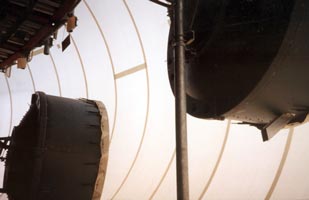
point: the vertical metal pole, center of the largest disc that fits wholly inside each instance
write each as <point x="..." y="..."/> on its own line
<point x="181" y="107"/>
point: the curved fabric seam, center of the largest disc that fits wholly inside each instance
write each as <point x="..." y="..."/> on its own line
<point x="11" y="104"/>
<point x="31" y="76"/>
<point x="57" y="75"/>
<point x="281" y="165"/>
<point x="148" y="99"/>
<point x="82" y="66"/>
<point x="112" y="64"/>
<point x="164" y="175"/>
<point x="214" y="171"/>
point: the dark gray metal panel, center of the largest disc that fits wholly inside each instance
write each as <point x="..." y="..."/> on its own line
<point x="284" y="88"/>
<point x="249" y="60"/>
<point x="55" y="153"/>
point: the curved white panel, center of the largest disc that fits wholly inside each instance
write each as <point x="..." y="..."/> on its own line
<point x="127" y="138"/>
<point x="21" y="90"/>
<point x="44" y="75"/>
<point x="119" y="32"/>
<point x="5" y="107"/>
<point x="158" y="143"/>
<point x="248" y="165"/>
<point x="294" y="179"/>
<point x="205" y="140"/>
<point x="168" y="187"/>
<point x="97" y="63"/>
<point x="69" y="69"/>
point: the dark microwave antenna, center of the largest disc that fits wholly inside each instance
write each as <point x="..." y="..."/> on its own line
<point x="58" y="151"/>
<point x="243" y="60"/>
<point x="246" y="61"/>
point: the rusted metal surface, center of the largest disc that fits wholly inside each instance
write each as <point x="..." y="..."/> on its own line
<point x="25" y="25"/>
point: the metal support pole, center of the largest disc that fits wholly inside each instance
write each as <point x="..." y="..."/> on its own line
<point x="181" y="107"/>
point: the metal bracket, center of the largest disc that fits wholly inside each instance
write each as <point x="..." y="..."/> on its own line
<point x="189" y="37"/>
<point x="276" y="125"/>
<point x="4" y="146"/>
<point x="161" y="3"/>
